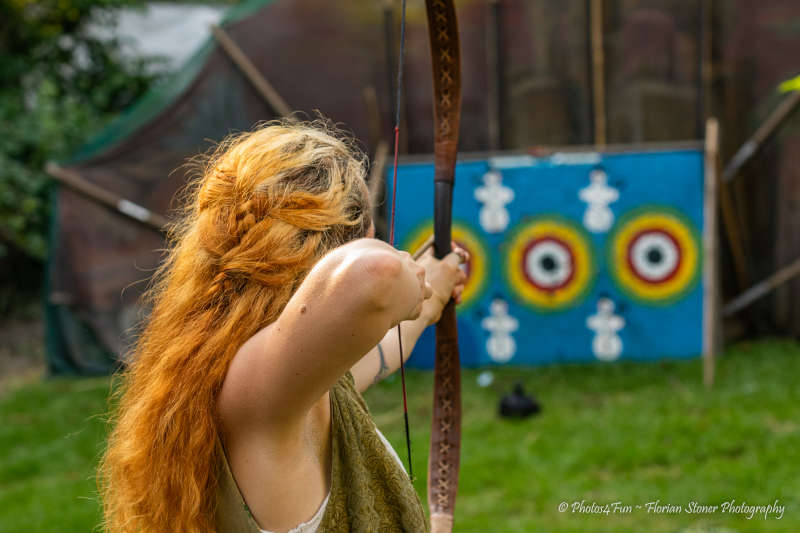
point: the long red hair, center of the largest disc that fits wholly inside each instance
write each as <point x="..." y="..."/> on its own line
<point x="265" y="207"/>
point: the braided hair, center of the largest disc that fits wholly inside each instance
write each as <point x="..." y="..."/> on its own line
<point x="264" y="208"/>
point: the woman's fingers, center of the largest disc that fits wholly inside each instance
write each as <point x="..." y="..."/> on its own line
<point x="463" y="253"/>
<point x="457" y="292"/>
<point x="453" y="260"/>
<point x="427" y="291"/>
<point x="444" y="279"/>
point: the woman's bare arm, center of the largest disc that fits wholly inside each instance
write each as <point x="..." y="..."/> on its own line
<point x="446" y="280"/>
<point x="341" y="310"/>
<point x="384" y="358"/>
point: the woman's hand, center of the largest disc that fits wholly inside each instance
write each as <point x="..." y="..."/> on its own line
<point x="446" y="279"/>
<point x="415" y="269"/>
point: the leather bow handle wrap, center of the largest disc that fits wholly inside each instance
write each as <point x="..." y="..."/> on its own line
<point x="446" y="427"/>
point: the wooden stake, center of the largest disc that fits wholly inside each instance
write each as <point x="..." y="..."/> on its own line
<point x="373" y="114"/>
<point x="762" y="288"/>
<point x="598" y="72"/>
<point x="764" y="132"/>
<point x="243" y="63"/>
<point x="94" y="192"/>
<point x="711" y="322"/>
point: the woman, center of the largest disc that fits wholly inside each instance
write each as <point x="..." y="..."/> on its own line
<point x="275" y="307"/>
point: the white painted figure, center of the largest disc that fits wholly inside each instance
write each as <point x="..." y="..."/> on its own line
<point x="598" y="217"/>
<point x="494" y="196"/>
<point x="501" y="345"/>
<point x="607" y="344"/>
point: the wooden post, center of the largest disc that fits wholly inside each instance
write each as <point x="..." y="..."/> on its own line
<point x="391" y="64"/>
<point x="375" y="184"/>
<point x="94" y="192"/>
<point x="730" y="220"/>
<point x="711" y="322"/>
<point x="598" y="72"/>
<point x="388" y="36"/>
<point x="376" y="172"/>
<point x="706" y="70"/>
<point x="493" y="74"/>
<point x="733" y="232"/>
<point x="252" y="74"/>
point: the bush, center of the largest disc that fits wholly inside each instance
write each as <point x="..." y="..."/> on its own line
<point x="58" y="83"/>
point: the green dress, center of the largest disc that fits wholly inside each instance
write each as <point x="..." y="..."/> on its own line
<point x="369" y="489"/>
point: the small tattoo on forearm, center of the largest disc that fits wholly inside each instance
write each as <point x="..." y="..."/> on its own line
<point x="382" y="371"/>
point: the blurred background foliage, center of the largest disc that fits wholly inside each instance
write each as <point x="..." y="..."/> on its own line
<point x="58" y="83"/>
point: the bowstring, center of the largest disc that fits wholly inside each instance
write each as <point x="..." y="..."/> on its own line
<point x="398" y="100"/>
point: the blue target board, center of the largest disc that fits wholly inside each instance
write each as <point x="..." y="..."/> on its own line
<point x="575" y="257"/>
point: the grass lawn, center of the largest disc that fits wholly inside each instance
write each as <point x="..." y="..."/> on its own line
<point x="629" y="433"/>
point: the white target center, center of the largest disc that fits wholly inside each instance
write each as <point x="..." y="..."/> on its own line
<point x="654" y="256"/>
<point x="548" y="264"/>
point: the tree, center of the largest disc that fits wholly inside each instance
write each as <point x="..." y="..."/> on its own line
<point x="57" y="84"/>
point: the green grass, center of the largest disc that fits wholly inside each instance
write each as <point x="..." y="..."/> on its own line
<point x="51" y="435"/>
<point x="631" y="433"/>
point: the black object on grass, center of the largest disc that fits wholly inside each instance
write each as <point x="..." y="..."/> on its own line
<point x="517" y="404"/>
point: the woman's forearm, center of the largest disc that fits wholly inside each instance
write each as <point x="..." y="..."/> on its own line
<point x="384" y="359"/>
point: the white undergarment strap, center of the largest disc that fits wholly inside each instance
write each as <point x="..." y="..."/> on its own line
<point x="312" y="525"/>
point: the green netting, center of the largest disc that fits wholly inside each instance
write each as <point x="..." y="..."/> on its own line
<point x="162" y="94"/>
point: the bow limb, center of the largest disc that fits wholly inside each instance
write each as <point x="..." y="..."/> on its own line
<point x="443" y="460"/>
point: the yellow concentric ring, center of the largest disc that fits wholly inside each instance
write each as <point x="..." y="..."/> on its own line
<point x="568" y="237"/>
<point x="652" y="221"/>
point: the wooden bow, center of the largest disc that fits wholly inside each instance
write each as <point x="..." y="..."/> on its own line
<point x="446" y="427"/>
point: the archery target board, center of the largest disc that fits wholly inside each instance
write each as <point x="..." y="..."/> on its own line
<point x="574" y="257"/>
